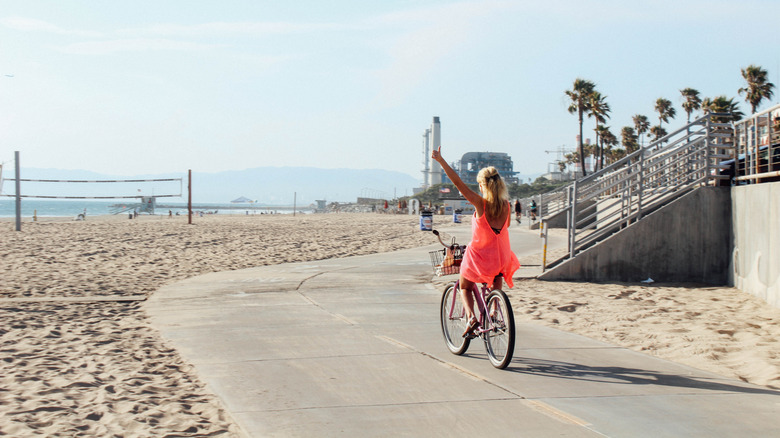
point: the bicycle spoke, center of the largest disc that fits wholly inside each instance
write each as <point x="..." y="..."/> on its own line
<point x="500" y="335"/>
<point x="453" y="321"/>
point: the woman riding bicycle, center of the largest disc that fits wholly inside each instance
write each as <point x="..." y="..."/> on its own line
<point x="488" y="257"/>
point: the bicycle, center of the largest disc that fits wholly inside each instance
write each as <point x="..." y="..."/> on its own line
<point x="494" y="312"/>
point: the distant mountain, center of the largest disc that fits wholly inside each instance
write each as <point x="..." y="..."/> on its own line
<point x="266" y="185"/>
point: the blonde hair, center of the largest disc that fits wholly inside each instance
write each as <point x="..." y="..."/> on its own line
<point x="496" y="193"/>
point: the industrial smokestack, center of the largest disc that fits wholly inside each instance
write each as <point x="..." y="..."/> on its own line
<point x="427" y="158"/>
<point x="435" y="172"/>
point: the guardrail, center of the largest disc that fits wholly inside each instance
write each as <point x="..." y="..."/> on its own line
<point x="757" y="141"/>
<point x="606" y="201"/>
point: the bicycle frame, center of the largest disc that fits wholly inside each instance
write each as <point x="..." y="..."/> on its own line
<point x="492" y="309"/>
<point x="481" y="305"/>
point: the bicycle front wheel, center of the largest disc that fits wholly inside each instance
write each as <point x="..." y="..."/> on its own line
<point x="500" y="325"/>
<point x="453" y="320"/>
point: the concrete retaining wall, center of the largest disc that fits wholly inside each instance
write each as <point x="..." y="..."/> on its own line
<point x="689" y="240"/>
<point x="756" y="254"/>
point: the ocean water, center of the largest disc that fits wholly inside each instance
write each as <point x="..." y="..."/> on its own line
<point x="72" y="208"/>
<point x="54" y="208"/>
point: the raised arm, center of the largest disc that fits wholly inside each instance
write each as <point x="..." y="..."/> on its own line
<point x="473" y="197"/>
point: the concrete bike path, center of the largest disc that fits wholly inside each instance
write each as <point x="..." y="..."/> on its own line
<point x="353" y="346"/>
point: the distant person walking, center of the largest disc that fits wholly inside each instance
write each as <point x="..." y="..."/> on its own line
<point x="518" y="211"/>
<point x="488" y="257"/>
<point x="533" y="210"/>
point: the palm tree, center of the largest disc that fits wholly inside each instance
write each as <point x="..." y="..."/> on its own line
<point x="665" y="110"/>
<point x="616" y="154"/>
<point x="641" y="124"/>
<point x="598" y="108"/>
<point x="608" y="140"/>
<point x="601" y="132"/>
<point x="692" y="101"/>
<point x="757" y="88"/>
<point x="628" y="138"/>
<point x="722" y="105"/>
<point x="658" y="132"/>
<point x="580" y="96"/>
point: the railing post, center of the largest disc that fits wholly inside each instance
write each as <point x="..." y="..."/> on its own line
<point x="641" y="185"/>
<point x="770" y="154"/>
<point x="544" y="245"/>
<point x="751" y="145"/>
<point x="568" y="219"/>
<point x="573" y="222"/>
<point x="707" y="145"/>
<point x="737" y="148"/>
<point x="625" y="204"/>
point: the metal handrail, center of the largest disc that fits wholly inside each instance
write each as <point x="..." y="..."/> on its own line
<point x="757" y="141"/>
<point x="625" y="191"/>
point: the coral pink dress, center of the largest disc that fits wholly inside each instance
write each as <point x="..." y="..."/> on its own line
<point x="489" y="254"/>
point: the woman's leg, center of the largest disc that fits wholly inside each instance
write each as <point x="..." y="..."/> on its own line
<point x="498" y="282"/>
<point x="467" y="296"/>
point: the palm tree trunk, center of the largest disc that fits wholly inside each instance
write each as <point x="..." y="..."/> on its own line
<point x="598" y="146"/>
<point x="601" y="156"/>
<point x="582" y="149"/>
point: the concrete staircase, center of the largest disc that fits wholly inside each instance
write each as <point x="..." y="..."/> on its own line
<point x="623" y="194"/>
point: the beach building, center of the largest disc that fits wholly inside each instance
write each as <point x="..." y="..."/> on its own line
<point x="471" y="163"/>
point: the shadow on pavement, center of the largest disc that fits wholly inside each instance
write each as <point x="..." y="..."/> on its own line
<point x="620" y="375"/>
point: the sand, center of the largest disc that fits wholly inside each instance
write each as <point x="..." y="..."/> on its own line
<point x="718" y="329"/>
<point x="75" y="366"/>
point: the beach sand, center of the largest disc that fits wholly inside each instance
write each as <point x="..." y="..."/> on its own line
<point x="74" y="367"/>
<point x="718" y="329"/>
<point x="70" y="366"/>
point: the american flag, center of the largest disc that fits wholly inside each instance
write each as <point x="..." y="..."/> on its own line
<point x="445" y="190"/>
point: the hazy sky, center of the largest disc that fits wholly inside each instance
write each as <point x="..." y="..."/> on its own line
<point x="141" y="87"/>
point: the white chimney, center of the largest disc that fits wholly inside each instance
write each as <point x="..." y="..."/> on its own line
<point x="427" y="158"/>
<point x="435" y="171"/>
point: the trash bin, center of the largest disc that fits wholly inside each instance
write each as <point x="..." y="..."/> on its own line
<point x="426" y="221"/>
<point x="456" y="216"/>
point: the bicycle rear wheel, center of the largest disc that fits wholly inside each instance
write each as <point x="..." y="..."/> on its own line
<point x="500" y="324"/>
<point x="453" y="320"/>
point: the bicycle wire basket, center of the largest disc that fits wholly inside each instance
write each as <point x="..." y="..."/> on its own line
<point x="446" y="261"/>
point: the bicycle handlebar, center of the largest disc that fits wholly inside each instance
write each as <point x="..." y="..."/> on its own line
<point x="451" y="246"/>
<point x="438" y="236"/>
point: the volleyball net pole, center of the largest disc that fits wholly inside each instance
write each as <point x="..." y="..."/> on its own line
<point x="18" y="193"/>
<point x="189" y="197"/>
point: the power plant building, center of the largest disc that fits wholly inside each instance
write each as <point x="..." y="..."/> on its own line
<point x="469" y="165"/>
<point x="472" y="162"/>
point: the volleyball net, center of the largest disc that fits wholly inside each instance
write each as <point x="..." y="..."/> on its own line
<point x="43" y="188"/>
